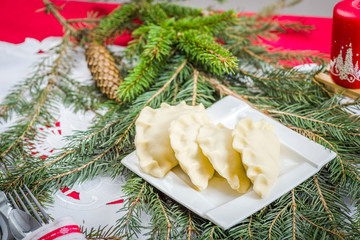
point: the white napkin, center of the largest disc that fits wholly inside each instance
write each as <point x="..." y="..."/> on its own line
<point x="63" y="228"/>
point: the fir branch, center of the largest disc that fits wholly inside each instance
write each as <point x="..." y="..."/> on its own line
<point x="190" y="228"/>
<point x="83" y="20"/>
<point x="119" y="142"/>
<point x="249" y="227"/>
<point x="40" y="111"/>
<point x="105" y="233"/>
<point x="254" y="76"/>
<point x="186" y="222"/>
<point x="136" y="200"/>
<point x="323" y="199"/>
<point x="291" y="58"/>
<point x="139" y="79"/>
<point x="116" y="22"/>
<point x="343" y="105"/>
<point x="355" y="174"/>
<point x="136" y="46"/>
<point x="49" y="86"/>
<point x="246" y="39"/>
<point x="201" y="49"/>
<point x="176" y="11"/>
<point x="163" y="227"/>
<point x="51" y="8"/>
<point x="169" y="225"/>
<point x="130" y="223"/>
<point x="338" y="126"/>
<point x="58" y="158"/>
<point x="322" y="228"/>
<point x="176" y="73"/>
<point x="211" y="231"/>
<point x="317" y="138"/>
<point x="294" y="213"/>
<point x="159" y="44"/>
<point x="16" y="102"/>
<point x="210" y="24"/>
<point x="271" y="9"/>
<point x="160" y="40"/>
<point x="75" y="95"/>
<point x="155" y="54"/>
<point x="226" y="91"/>
<point x="32" y="119"/>
<point x="196" y="75"/>
<point x="40" y="168"/>
<point x="87" y="164"/>
<point x="14" y="99"/>
<point x="321" y="216"/>
<point x="314" y="208"/>
<point x="153" y="14"/>
<point x="276" y="217"/>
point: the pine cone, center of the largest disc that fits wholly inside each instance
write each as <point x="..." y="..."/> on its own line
<point x="103" y="69"/>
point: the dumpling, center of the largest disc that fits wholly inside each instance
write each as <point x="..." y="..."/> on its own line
<point x="152" y="141"/>
<point x="183" y="133"/>
<point x="216" y="143"/>
<point x="259" y="147"/>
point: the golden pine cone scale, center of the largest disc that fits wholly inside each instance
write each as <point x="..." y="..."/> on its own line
<point x="103" y="69"/>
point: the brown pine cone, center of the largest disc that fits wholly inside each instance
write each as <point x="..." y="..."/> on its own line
<point x="103" y="69"/>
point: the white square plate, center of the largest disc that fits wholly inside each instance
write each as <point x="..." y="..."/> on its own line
<point x="300" y="158"/>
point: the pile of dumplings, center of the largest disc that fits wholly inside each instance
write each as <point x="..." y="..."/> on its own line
<point x="184" y="135"/>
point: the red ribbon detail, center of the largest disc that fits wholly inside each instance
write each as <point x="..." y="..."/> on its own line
<point x="61" y="232"/>
<point x="115" y="202"/>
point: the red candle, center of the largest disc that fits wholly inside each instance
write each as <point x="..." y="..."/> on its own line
<point x="345" y="45"/>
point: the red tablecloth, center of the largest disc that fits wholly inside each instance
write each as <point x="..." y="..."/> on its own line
<point x="26" y="18"/>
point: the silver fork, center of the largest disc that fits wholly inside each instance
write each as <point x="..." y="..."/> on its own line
<point x="21" y="221"/>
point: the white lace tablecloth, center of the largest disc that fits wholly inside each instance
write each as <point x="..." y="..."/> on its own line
<point x="93" y="203"/>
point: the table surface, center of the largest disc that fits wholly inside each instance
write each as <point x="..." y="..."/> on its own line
<point x="26" y="18"/>
<point x="319" y="8"/>
<point x="25" y="30"/>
